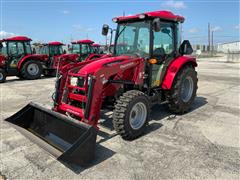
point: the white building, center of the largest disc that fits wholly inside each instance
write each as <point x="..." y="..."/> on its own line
<point x="230" y="47"/>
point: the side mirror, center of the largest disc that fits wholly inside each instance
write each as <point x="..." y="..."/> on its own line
<point x="156" y="25"/>
<point x="185" y="48"/>
<point x="105" y="29"/>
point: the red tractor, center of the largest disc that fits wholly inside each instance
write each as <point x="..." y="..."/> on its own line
<point x="17" y="59"/>
<point x="85" y="50"/>
<point x="57" y="58"/>
<point x="151" y="68"/>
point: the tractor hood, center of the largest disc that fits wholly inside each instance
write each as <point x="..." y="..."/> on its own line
<point x="96" y="65"/>
<point x="69" y="57"/>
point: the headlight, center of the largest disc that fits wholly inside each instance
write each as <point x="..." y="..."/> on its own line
<point x="77" y="81"/>
<point x="74" y="81"/>
<point x="142" y="16"/>
<point x="115" y="20"/>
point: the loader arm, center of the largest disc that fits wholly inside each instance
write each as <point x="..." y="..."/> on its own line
<point x="98" y="82"/>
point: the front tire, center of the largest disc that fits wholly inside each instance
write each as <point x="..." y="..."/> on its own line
<point x="183" y="91"/>
<point x="131" y="114"/>
<point x="2" y="76"/>
<point x="32" y="70"/>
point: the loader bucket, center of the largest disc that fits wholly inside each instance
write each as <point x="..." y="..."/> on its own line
<point x="68" y="140"/>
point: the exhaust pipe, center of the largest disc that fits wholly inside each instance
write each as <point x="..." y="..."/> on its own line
<point x="68" y="140"/>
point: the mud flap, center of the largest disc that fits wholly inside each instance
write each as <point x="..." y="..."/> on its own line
<point x="68" y="140"/>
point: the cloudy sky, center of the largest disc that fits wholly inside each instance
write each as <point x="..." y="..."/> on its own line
<point x="62" y="20"/>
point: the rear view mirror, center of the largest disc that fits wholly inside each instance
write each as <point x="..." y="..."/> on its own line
<point x="156" y="25"/>
<point x="105" y="29"/>
<point x="185" y="48"/>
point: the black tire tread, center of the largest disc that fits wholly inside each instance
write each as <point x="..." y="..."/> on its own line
<point x="4" y="76"/>
<point x="119" y="113"/>
<point x="173" y="96"/>
<point x="25" y="75"/>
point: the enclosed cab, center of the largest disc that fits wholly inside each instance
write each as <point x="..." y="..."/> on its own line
<point x="97" y="48"/>
<point x="84" y="49"/>
<point x="57" y="58"/>
<point x="17" y="59"/>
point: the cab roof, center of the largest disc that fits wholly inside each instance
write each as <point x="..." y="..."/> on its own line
<point x="96" y="45"/>
<point x="55" y="43"/>
<point x="83" y="41"/>
<point x="17" y="38"/>
<point x="166" y="15"/>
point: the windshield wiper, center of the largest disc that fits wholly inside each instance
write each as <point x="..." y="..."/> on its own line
<point x="121" y="31"/>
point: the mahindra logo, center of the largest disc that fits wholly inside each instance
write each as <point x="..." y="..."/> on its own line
<point x="126" y="65"/>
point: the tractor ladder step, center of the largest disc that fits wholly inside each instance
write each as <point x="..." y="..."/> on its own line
<point x="77" y="97"/>
<point x="71" y="109"/>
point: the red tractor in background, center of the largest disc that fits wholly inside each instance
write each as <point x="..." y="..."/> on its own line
<point x="151" y="68"/>
<point x="85" y="50"/>
<point x="17" y="59"/>
<point x="97" y="49"/>
<point x="57" y="58"/>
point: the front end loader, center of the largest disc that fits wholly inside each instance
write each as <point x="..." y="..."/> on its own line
<point x="148" y="66"/>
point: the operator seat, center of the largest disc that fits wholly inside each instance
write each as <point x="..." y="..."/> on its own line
<point x="159" y="53"/>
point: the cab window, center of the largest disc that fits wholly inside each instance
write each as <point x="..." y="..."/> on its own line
<point x="86" y="49"/>
<point x="20" y="48"/>
<point x="3" y="48"/>
<point x="163" y="43"/>
<point x="12" y="48"/>
<point x="28" y="48"/>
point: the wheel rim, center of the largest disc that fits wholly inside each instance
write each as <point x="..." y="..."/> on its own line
<point x="33" y="69"/>
<point x="187" y="89"/>
<point x="138" y="115"/>
<point x="1" y="76"/>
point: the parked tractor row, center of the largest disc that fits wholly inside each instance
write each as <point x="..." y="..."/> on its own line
<point x="18" y="59"/>
<point x="148" y="65"/>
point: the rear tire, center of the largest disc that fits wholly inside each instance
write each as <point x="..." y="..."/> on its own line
<point x="131" y="114"/>
<point x="183" y="91"/>
<point x="2" y="76"/>
<point x="32" y="70"/>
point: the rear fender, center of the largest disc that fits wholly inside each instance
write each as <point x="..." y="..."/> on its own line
<point x="174" y="68"/>
<point x="36" y="57"/>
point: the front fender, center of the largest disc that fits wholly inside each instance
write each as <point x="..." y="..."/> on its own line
<point x="174" y="68"/>
<point x="37" y="57"/>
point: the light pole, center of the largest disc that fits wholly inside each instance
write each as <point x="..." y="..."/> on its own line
<point x="212" y="44"/>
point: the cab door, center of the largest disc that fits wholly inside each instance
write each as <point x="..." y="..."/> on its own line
<point x="163" y="51"/>
<point x="15" y="54"/>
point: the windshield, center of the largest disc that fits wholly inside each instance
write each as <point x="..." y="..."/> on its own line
<point x="3" y="48"/>
<point x="133" y="39"/>
<point x="96" y="50"/>
<point x="75" y="48"/>
<point x="44" y="50"/>
<point x="86" y="49"/>
<point x="55" y="50"/>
